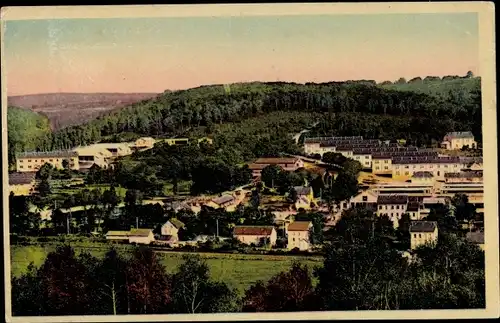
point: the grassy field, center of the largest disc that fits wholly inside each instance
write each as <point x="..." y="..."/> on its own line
<point x="237" y="270"/>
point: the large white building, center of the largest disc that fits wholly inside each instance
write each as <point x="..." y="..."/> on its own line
<point x="458" y="140"/>
<point x="32" y="161"/>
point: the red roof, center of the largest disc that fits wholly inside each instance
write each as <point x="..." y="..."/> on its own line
<point x="253" y="230"/>
<point x="276" y="161"/>
<point x="299" y="226"/>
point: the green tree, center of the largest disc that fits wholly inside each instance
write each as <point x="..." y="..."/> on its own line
<point x="270" y="175"/>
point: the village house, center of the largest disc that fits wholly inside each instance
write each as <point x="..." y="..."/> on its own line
<point x="381" y="163"/>
<point x="32" y="161"/>
<point x="413" y="210"/>
<point x="394" y="206"/>
<point x="304" y="197"/>
<point x="366" y="199"/>
<point x="299" y="235"/>
<point x="288" y="164"/>
<point x="91" y="155"/>
<point x="458" y="140"/>
<point x="258" y="235"/>
<point x="227" y="202"/>
<point x="116" y="149"/>
<point x="423" y="232"/>
<point x="477" y="238"/>
<point x="22" y="184"/>
<point x="139" y="236"/>
<point x="170" y="230"/>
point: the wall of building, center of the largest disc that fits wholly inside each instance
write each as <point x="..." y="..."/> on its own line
<point x="298" y="239"/>
<point x="33" y="164"/>
<point x="421" y="238"/>
<point x="256" y="239"/>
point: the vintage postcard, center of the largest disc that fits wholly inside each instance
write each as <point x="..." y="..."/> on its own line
<point x="250" y="162"/>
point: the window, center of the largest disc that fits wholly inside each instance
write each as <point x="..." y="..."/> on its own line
<point x="414" y="235"/>
<point x="50" y="160"/>
<point x="293" y="239"/>
<point x="29" y="166"/>
<point x="420" y="235"/>
<point x="365" y="198"/>
<point x="380" y="207"/>
<point x="397" y="207"/>
<point x="421" y="166"/>
<point x="377" y="167"/>
<point x="407" y="166"/>
<point x="21" y="166"/>
<point x="386" y="167"/>
<point x="386" y="162"/>
<point x="398" y="173"/>
<point x="445" y="166"/>
<point x="407" y="173"/>
<point x="29" y="160"/>
<point x="36" y="161"/>
<point x="392" y="207"/>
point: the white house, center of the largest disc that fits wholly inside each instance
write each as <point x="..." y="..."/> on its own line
<point x="299" y="235"/>
<point x="139" y="236"/>
<point x="171" y="229"/>
<point x="258" y="235"/>
<point x="423" y="232"/>
<point x="394" y="206"/>
<point x="458" y="140"/>
<point x="365" y="198"/>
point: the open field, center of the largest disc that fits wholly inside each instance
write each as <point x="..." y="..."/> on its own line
<point x="238" y="270"/>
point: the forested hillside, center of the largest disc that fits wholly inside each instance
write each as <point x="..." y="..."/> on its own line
<point x="26" y="130"/>
<point x="351" y="108"/>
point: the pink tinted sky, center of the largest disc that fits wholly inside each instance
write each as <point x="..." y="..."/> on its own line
<point x="155" y="54"/>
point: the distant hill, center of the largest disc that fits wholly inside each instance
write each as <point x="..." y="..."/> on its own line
<point x="68" y="109"/>
<point x="437" y="87"/>
<point x="27" y="130"/>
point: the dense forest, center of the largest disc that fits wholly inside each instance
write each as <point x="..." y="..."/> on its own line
<point x="27" y="130"/>
<point x="348" y="108"/>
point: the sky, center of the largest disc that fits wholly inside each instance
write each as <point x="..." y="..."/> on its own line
<point x="156" y="54"/>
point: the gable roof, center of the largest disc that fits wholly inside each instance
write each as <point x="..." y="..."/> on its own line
<point x="118" y="233"/>
<point x="299" y="226"/>
<point x="223" y="199"/>
<point x="460" y="134"/>
<point x="253" y="230"/>
<point x="176" y="223"/>
<point x="21" y="178"/>
<point x="48" y="154"/>
<point x="423" y="226"/>
<point x="140" y="232"/>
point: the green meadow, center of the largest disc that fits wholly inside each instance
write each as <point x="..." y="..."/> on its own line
<point x="237" y="270"/>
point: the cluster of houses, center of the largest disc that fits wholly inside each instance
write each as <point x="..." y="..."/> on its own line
<point x="298" y="234"/>
<point x="385" y="158"/>
<point x="84" y="157"/>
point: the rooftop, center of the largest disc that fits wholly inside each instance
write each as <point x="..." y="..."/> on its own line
<point x="425" y="160"/>
<point x="249" y="230"/>
<point x="21" y="178"/>
<point x="467" y="174"/>
<point x="176" y="223"/>
<point x="48" y="154"/>
<point x="139" y="232"/>
<point x="460" y="134"/>
<point x="392" y="199"/>
<point x="299" y="226"/>
<point x="223" y="199"/>
<point x="423" y="226"/>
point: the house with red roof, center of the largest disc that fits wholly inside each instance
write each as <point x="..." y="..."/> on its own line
<point x="256" y="234"/>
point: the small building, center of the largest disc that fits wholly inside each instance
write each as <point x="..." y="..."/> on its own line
<point x="171" y="228"/>
<point x="413" y="210"/>
<point x="423" y="178"/>
<point x="141" y="236"/>
<point x="422" y="233"/>
<point x="116" y="149"/>
<point x="32" y="161"/>
<point x="289" y="164"/>
<point x="258" y="235"/>
<point x="22" y="184"/>
<point x="476" y="238"/>
<point x="458" y="140"/>
<point x="176" y="141"/>
<point x="299" y="235"/>
<point x="394" y="206"/>
<point x="366" y="198"/>
<point x="304" y="197"/>
<point x="224" y="202"/>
